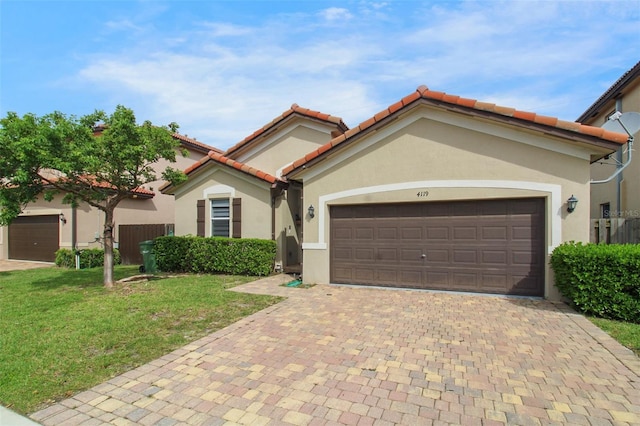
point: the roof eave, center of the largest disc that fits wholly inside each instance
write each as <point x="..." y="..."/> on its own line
<point x="608" y="146"/>
<point x="611" y="93"/>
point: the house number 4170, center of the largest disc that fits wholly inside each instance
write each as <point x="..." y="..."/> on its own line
<point x="422" y="194"/>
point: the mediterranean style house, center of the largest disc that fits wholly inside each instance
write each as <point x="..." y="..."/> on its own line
<point x="620" y="197"/>
<point x="44" y="227"/>
<point x="435" y="192"/>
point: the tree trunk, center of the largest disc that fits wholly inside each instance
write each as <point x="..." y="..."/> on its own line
<point x="108" y="247"/>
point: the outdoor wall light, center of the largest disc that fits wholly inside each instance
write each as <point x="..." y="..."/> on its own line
<point x="311" y="211"/>
<point x="572" y="202"/>
<point x="63" y="219"/>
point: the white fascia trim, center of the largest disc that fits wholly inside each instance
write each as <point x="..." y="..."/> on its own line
<point x="553" y="189"/>
<point x="456" y="120"/>
<point x="279" y="134"/>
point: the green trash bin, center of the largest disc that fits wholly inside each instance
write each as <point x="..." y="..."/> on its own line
<point x="148" y="257"/>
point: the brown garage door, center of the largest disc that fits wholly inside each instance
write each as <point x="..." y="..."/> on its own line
<point x="489" y="246"/>
<point x="130" y="236"/>
<point x="34" y="238"/>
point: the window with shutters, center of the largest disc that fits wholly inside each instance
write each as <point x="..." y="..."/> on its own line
<point x="220" y="218"/>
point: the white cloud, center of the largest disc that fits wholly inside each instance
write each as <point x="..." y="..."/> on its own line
<point x="221" y="80"/>
<point x="336" y="14"/>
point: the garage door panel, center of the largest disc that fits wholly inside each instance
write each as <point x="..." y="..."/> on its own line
<point x="411" y="277"/>
<point x="343" y="254"/>
<point x="364" y="233"/>
<point x="364" y="254"/>
<point x="343" y="274"/>
<point x="464" y="281"/>
<point x="437" y="255"/>
<point x="437" y="280"/>
<point x="523" y="258"/>
<point x="465" y="256"/>
<point x="364" y="275"/>
<point x="387" y="233"/>
<point x="494" y="246"/>
<point x="387" y="255"/>
<point x="411" y="233"/>
<point x="497" y="283"/>
<point x="411" y="255"/>
<point x="493" y="209"/>
<point x="437" y="233"/>
<point x="343" y="234"/>
<point x="387" y="276"/>
<point x="498" y="257"/>
<point x="497" y="233"/>
<point x="465" y="233"/>
<point x="524" y="233"/>
<point x="34" y="238"/>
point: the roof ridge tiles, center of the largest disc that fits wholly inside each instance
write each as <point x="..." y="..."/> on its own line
<point x="294" y="109"/>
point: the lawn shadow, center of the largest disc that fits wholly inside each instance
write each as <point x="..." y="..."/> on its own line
<point x="55" y="277"/>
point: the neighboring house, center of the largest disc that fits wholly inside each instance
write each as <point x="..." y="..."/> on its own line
<point x="434" y="192"/>
<point x="44" y="227"/>
<point x="619" y="197"/>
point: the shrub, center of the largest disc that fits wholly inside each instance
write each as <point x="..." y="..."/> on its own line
<point x="212" y="255"/>
<point x="89" y="258"/>
<point x="600" y="280"/>
<point x="172" y="253"/>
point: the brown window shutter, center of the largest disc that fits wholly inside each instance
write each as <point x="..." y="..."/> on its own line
<point x="237" y="218"/>
<point x="200" y="218"/>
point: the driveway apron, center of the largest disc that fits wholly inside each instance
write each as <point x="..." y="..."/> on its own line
<point x="362" y="356"/>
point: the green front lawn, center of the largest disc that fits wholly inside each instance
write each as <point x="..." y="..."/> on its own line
<point x="62" y="332"/>
<point x="628" y="334"/>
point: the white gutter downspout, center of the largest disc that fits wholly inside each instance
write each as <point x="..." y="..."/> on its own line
<point x="616" y="116"/>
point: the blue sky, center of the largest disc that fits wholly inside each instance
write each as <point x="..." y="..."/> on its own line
<point x="222" y="69"/>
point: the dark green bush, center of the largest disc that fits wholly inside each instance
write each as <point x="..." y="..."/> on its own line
<point x="89" y="258"/>
<point x="215" y="255"/>
<point x="600" y="280"/>
<point x="172" y="253"/>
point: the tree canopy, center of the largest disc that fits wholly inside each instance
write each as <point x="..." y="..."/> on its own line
<point x="99" y="159"/>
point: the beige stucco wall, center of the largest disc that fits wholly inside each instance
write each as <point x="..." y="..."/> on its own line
<point x="298" y="138"/>
<point x="607" y="192"/>
<point x="436" y="152"/>
<point x="214" y="183"/>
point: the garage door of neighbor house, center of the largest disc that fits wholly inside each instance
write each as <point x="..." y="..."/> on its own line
<point x="488" y="246"/>
<point x="34" y="238"/>
<point x="130" y="236"/>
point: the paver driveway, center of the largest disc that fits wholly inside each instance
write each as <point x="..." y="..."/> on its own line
<point x="342" y="355"/>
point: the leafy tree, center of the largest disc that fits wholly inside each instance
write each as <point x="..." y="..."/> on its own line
<point x="99" y="159"/>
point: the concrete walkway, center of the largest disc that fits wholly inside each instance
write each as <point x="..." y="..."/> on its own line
<point x="362" y="356"/>
<point x="19" y="265"/>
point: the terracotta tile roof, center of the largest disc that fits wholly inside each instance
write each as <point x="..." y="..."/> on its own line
<point x="184" y="140"/>
<point x="195" y="144"/>
<point x="517" y="117"/>
<point x="294" y="110"/>
<point x="613" y="91"/>
<point x="90" y="180"/>
<point x="228" y="162"/>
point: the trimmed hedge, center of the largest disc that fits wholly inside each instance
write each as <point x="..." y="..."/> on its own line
<point x="215" y="255"/>
<point x="600" y="280"/>
<point x="89" y="258"/>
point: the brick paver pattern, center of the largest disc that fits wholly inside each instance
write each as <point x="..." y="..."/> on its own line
<point x="366" y="356"/>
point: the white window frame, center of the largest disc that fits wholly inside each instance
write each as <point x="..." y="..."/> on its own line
<point x="214" y="218"/>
